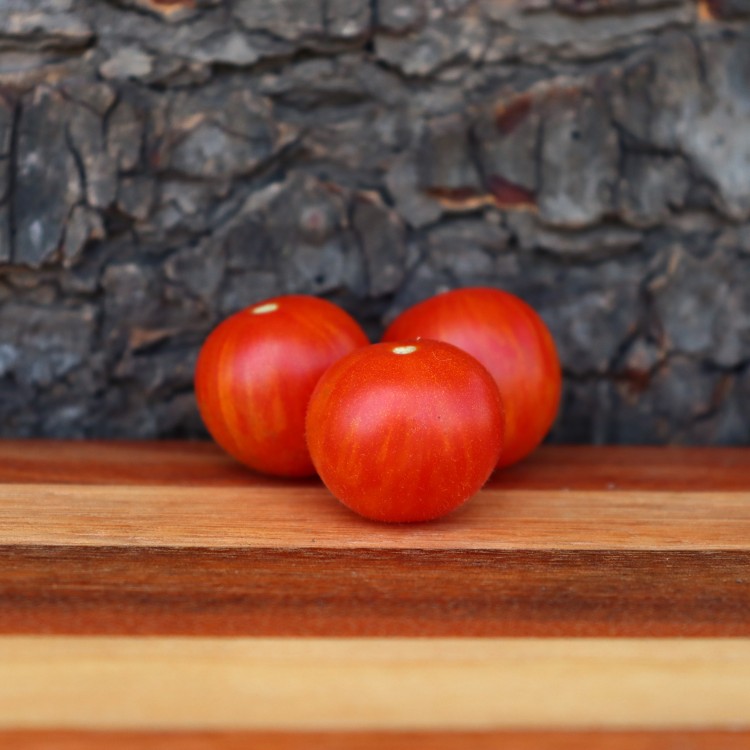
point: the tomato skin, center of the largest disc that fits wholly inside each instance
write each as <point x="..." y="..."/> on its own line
<point x="511" y="340"/>
<point x="402" y="437"/>
<point x="255" y="373"/>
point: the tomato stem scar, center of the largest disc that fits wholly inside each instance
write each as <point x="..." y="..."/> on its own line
<point x="266" y="308"/>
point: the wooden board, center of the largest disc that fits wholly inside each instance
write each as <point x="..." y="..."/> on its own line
<point x="266" y="612"/>
<point x="143" y="538"/>
<point x="368" y="740"/>
<point x="346" y="684"/>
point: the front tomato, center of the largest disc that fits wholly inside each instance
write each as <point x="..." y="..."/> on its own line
<point x="511" y="340"/>
<point x="256" y="371"/>
<point x="406" y="431"/>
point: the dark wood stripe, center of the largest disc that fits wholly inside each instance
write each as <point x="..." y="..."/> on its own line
<point x="202" y="463"/>
<point x="84" y="590"/>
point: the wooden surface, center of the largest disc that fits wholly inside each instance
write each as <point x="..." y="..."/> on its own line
<point x="160" y="594"/>
<point x="348" y="684"/>
<point x="367" y="740"/>
<point x="177" y="539"/>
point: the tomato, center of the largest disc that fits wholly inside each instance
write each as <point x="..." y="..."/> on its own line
<point x="405" y="431"/>
<point x="256" y="371"/>
<point x="510" y="339"/>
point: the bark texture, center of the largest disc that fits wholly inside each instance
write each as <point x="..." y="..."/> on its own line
<point x="164" y="163"/>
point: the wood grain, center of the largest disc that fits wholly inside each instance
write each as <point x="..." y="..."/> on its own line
<point x="152" y="538"/>
<point x="195" y="463"/>
<point x="373" y="684"/>
<point x="148" y="591"/>
<point x="103" y="543"/>
<point x="377" y="740"/>
<point x="308" y="517"/>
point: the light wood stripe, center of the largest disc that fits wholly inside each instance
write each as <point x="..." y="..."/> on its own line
<point x="375" y="684"/>
<point x="307" y="516"/>
<point x="376" y="740"/>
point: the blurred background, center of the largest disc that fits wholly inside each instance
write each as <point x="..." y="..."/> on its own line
<point x="164" y="163"/>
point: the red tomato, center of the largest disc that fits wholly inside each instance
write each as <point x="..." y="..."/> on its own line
<point x="256" y="371"/>
<point x="407" y="431"/>
<point x="510" y="339"/>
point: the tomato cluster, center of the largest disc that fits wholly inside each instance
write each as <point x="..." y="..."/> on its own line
<point x="404" y="430"/>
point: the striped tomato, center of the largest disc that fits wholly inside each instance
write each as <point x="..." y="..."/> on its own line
<point x="405" y="431"/>
<point x="511" y="340"/>
<point x="256" y="371"/>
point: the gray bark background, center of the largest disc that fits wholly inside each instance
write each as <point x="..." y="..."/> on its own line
<point x="164" y="163"/>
